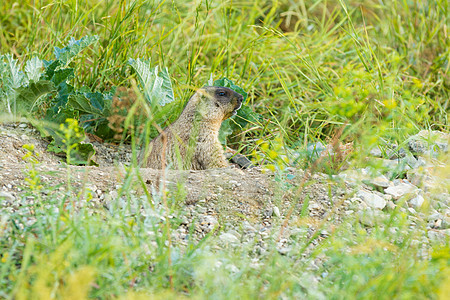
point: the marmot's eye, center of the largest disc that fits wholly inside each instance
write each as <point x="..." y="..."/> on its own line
<point x="222" y="94"/>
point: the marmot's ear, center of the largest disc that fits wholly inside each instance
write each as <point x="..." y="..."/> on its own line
<point x="202" y="92"/>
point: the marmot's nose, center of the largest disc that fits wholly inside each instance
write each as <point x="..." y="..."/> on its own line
<point x="240" y="98"/>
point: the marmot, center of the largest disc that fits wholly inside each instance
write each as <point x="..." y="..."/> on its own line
<point x="192" y="141"/>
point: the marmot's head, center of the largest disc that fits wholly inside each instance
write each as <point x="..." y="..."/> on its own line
<point x="219" y="103"/>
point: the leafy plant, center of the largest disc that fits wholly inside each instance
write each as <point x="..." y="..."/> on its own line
<point x="156" y="85"/>
<point x="245" y="115"/>
<point x="68" y="139"/>
<point x="20" y="91"/>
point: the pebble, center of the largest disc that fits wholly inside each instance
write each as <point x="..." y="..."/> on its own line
<point x="369" y="217"/>
<point x="396" y="154"/>
<point x="372" y="200"/>
<point x="400" y="189"/>
<point x="439" y="235"/>
<point x="428" y="142"/>
<point x="380" y="181"/>
<point x="276" y="212"/>
<point x="376" y="152"/>
<point x="7" y="196"/>
<point x="390" y="205"/>
<point x="229" y="238"/>
<point x="417" y="201"/>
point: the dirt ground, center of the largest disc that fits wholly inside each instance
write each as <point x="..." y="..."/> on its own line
<point x="230" y="194"/>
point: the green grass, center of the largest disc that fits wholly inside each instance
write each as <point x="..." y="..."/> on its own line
<point x="360" y="71"/>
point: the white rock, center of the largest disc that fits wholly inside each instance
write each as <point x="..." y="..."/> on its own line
<point x="410" y="161"/>
<point x="369" y="217"/>
<point x="376" y="152"/>
<point x="232" y="268"/>
<point x="371" y="199"/>
<point x="390" y="205"/>
<point x="429" y="142"/>
<point x="412" y="210"/>
<point x="417" y="201"/>
<point x="210" y="220"/>
<point x="400" y="190"/>
<point x="7" y="196"/>
<point x="276" y="211"/>
<point x="381" y="181"/>
<point x="229" y="238"/>
<point x="439" y="235"/>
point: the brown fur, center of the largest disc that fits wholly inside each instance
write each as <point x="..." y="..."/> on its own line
<point x="192" y="141"/>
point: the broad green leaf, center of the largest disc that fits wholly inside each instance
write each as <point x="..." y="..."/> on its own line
<point x="34" y="69"/>
<point x="225" y="131"/>
<point x="83" y="104"/>
<point x="3" y="88"/>
<point x="79" y="155"/>
<point x="244" y="116"/>
<point x="50" y="67"/>
<point x="66" y="54"/>
<point x="79" y="152"/>
<point x="57" y="116"/>
<point x="166" y="90"/>
<point x="13" y="78"/>
<point x="62" y="75"/>
<point x="156" y="85"/>
<point x="28" y="96"/>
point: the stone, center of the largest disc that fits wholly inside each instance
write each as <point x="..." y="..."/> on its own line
<point x="372" y="200"/>
<point x="276" y="212"/>
<point x="370" y="217"/>
<point x="439" y="235"/>
<point x="228" y="238"/>
<point x="417" y="201"/>
<point x="417" y="147"/>
<point x="7" y="196"/>
<point x="397" y="153"/>
<point x="380" y="181"/>
<point x="376" y="152"/>
<point x="315" y="149"/>
<point x="428" y="142"/>
<point x="390" y="205"/>
<point x="410" y="162"/>
<point x="400" y="190"/>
